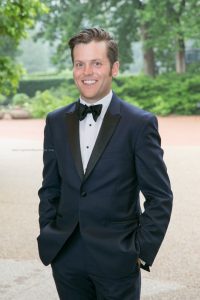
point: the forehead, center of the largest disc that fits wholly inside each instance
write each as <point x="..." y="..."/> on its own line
<point x="90" y="51"/>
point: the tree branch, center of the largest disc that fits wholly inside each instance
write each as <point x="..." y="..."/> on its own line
<point x="182" y="7"/>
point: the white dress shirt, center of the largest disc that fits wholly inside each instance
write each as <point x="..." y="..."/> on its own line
<point x="89" y="129"/>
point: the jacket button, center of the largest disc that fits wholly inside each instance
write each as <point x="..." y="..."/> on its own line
<point x="83" y="194"/>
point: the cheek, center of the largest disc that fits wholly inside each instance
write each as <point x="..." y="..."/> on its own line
<point x="76" y="75"/>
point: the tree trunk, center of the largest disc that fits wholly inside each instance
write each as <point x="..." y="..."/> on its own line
<point x="149" y="62"/>
<point x="180" y="57"/>
<point x="148" y="53"/>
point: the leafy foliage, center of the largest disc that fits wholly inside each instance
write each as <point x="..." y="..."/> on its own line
<point x="2" y="99"/>
<point x="31" y="86"/>
<point x="168" y="24"/>
<point x="20" y="100"/>
<point x="167" y="94"/>
<point x="65" y="18"/>
<point x="15" y="17"/>
<point x="46" y="101"/>
<point x="10" y="73"/>
<point x="179" y="22"/>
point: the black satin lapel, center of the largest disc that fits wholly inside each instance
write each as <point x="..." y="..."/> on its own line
<point x="73" y="136"/>
<point x="107" y="129"/>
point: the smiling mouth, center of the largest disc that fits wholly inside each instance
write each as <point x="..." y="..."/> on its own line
<point x="89" y="82"/>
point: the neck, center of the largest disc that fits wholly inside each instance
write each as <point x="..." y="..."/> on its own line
<point x="93" y="101"/>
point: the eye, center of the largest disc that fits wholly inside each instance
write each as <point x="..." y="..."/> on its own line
<point x="78" y="65"/>
<point x="97" y="63"/>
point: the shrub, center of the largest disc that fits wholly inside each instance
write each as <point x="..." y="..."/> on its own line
<point x="44" y="102"/>
<point x="164" y="95"/>
<point x="41" y="82"/>
<point x="20" y="99"/>
<point x="2" y="99"/>
<point x="31" y="86"/>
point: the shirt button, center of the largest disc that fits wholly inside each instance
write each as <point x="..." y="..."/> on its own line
<point x="83" y="194"/>
<point x="87" y="147"/>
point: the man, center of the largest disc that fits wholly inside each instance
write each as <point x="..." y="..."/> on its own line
<point x="99" y="153"/>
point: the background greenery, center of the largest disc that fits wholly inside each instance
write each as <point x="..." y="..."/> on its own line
<point x="167" y="84"/>
<point x="168" y="94"/>
<point x="15" y="18"/>
<point x="162" y="26"/>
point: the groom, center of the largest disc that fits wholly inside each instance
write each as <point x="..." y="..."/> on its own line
<point x="99" y="153"/>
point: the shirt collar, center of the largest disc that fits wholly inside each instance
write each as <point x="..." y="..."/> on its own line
<point x="105" y="101"/>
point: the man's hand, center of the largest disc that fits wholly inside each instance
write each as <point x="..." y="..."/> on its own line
<point x="143" y="265"/>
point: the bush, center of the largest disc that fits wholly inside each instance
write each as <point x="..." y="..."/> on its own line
<point x="66" y="88"/>
<point x="164" y="95"/>
<point x="44" y="102"/>
<point x="2" y="99"/>
<point x="20" y="99"/>
<point x="31" y="86"/>
<point x="42" y="82"/>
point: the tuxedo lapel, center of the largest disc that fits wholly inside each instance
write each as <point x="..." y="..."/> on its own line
<point x="74" y="141"/>
<point x="108" y="127"/>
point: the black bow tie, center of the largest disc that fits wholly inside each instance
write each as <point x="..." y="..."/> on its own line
<point x="83" y="110"/>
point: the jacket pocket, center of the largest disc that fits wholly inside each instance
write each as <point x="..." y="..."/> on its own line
<point x="125" y="221"/>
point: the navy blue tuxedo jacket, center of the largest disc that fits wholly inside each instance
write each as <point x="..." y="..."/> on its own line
<point x="126" y="159"/>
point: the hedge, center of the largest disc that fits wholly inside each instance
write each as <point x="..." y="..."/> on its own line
<point x="31" y="86"/>
<point x="164" y="95"/>
<point x="167" y="94"/>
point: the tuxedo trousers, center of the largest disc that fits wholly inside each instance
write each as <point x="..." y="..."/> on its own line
<point x="74" y="275"/>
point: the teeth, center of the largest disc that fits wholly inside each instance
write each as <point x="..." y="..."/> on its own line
<point x="89" y="82"/>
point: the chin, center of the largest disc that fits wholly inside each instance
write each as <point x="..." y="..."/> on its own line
<point x="89" y="97"/>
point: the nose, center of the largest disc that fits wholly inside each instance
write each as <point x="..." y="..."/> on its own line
<point x="88" y="70"/>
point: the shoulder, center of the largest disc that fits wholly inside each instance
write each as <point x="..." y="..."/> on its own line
<point x="134" y="113"/>
<point x="139" y="121"/>
<point x="59" y="112"/>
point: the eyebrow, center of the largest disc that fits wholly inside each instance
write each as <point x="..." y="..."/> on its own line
<point x="92" y="60"/>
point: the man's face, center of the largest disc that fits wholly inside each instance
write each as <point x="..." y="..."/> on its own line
<point x="92" y="70"/>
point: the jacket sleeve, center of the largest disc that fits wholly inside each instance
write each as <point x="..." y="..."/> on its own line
<point x="49" y="193"/>
<point x="155" y="185"/>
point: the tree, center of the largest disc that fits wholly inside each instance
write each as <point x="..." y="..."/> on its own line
<point x="67" y="17"/>
<point x="62" y="21"/>
<point x="15" y="17"/>
<point x="173" y="22"/>
<point x="122" y="18"/>
<point x="162" y="26"/>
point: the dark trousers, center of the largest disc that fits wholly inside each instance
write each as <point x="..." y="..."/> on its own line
<point x="73" y="272"/>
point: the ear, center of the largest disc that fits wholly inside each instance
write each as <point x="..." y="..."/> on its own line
<point x="115" y="69"/>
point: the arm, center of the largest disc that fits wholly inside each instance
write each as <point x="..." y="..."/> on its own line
<point x="49" y="193"/>
<point x="155" y="186"/>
